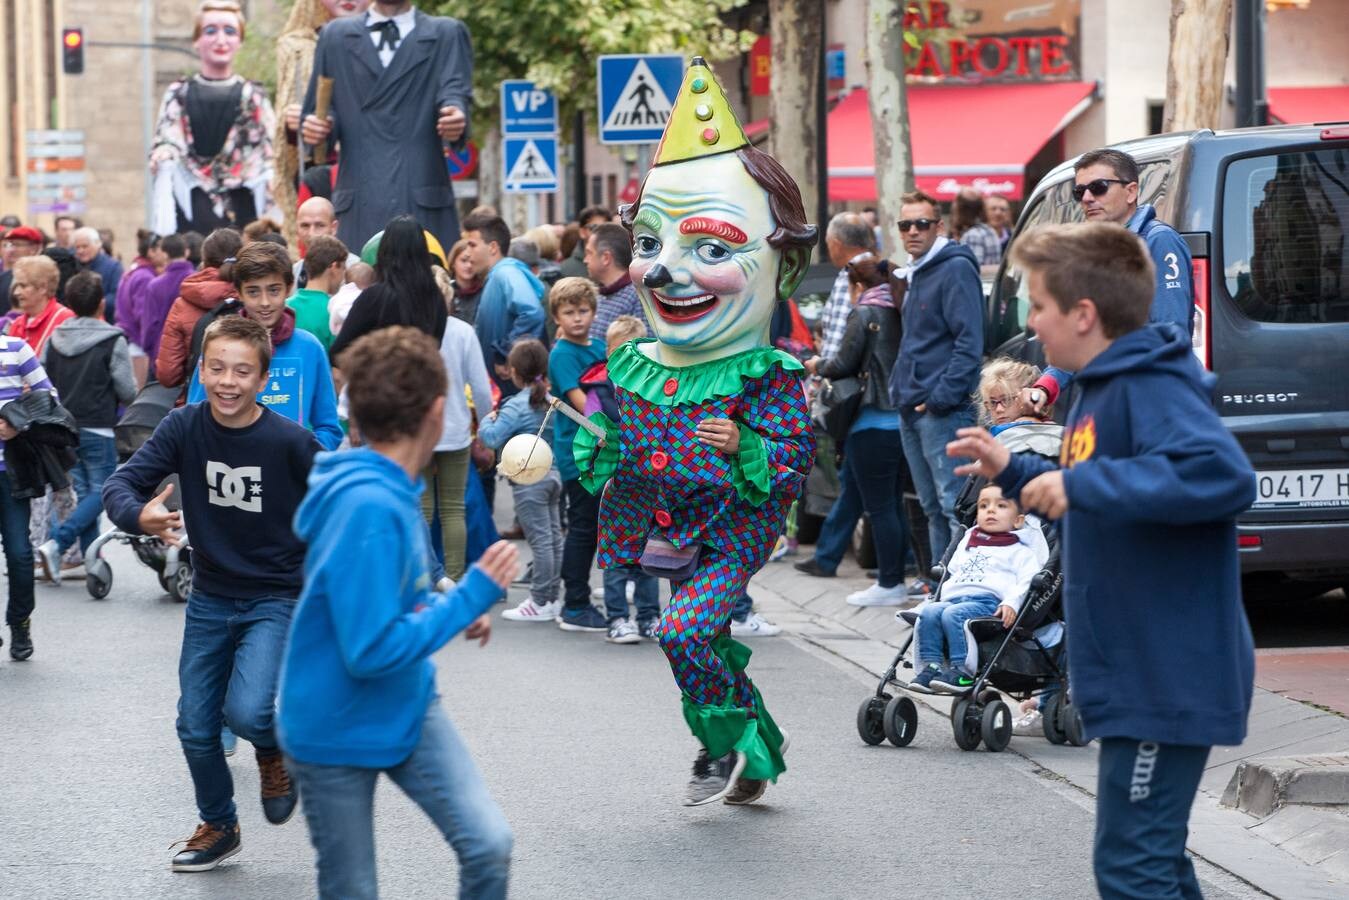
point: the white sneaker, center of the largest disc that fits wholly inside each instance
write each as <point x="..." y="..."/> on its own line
<point x="529" y="611"/>
<point x="622" y="631"/>
<point x="879" y="596"/>
<point x="754" y="625"/>
<point x="1029" y="725"/>
<point x="49" y="557"/>
<point x="445" y="585"/>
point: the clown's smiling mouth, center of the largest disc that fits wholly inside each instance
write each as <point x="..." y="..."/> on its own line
<point x="684" y="309"/>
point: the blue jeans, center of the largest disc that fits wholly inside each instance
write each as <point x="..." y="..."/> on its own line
<point x="227" y="675"/>
<point x="743" y="607"/>
<point x="97" y="457"/>
<point x="872" y="480"/>
<point x="934" y="473"/>
<point x="18" y="552"/>
<point x="645" y="594"/>
<point x="946" y="621"/>
<point x="1144" y="793"/>
<point x="441" y="778"/>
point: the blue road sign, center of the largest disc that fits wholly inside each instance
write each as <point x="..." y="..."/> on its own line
<point x="527" y="109"/>
<point x="636" y="93"/>
<point x="529" y="164"/>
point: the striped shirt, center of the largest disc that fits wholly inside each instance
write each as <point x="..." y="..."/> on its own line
<point x="19" y="368"/>
<point x="836" y="310"/>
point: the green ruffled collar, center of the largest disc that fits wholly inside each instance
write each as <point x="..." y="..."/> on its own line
<point x="633" y="370"/>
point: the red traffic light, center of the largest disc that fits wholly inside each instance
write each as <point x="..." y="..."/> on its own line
<point x="72" y="50"/>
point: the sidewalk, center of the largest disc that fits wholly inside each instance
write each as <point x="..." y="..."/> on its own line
<point x="1297" y="851"/>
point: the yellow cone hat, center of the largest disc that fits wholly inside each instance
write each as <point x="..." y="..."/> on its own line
<point x="701" y="123"/>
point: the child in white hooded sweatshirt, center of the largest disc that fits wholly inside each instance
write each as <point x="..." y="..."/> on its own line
<point x="989" y="574"/>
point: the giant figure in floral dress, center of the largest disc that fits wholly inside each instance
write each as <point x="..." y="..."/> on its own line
<point x="714" y="440"/>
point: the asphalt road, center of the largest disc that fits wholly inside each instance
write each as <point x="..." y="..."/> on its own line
<point x="584" y="747"/>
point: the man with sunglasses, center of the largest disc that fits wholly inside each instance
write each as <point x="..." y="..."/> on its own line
<point x="1106" y="186"/>
<point x="939" y="355"/>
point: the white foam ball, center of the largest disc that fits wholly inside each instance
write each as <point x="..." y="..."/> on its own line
<point x="525" y="459"/>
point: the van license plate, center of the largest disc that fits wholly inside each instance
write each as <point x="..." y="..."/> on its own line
<point x="1304" y="488"/>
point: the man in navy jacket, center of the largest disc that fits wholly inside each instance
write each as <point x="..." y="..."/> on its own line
<point x="939" y="356"/>
<point x="1159" y="651"/>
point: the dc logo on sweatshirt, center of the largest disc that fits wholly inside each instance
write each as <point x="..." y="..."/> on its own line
<point x="240" y="488"/>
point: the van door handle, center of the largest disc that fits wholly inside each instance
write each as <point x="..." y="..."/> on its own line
<point x="1281" y="445"/>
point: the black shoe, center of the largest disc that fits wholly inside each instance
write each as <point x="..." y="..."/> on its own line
<point x="209" y="846"/>
<point x="21" y="640"/>
<point x="712" y="778"/>
<point x="279" y="794"/>
<point x="811" y="567"/>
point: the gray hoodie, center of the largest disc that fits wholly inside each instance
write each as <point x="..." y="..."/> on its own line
<point x="75" y="336"/>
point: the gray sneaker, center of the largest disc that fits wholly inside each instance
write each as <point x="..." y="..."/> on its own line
<point x="49" y="555"/>
<point x="712" y="778"/>
<point x="622" y="631"/>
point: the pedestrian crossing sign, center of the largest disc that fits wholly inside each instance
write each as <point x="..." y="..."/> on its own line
<point x="529" y="165"/>
<point x="636" y="94"/>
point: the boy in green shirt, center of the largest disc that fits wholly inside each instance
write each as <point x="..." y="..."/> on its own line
<point x="325" y="265"/>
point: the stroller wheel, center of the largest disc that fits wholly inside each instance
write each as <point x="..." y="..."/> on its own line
<point x="1049" y="720"/>
<point x="98" y="578"/>
<point x="900" y="721"/>
<point x="966" y="723"/>
<point x="1072" y="725"/>
<point x="870" y="716"/>
<point x="181" y="584"/>
<point x="996" y="726"/>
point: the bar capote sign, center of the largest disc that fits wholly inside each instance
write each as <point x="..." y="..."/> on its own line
<point x="997" y="42"/>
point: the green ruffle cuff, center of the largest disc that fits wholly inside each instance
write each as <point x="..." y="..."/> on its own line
<point x="723" y="728"/>
<point x="749" y="468"/>
<point x="596" y="462"/>
<point x="633" y="370"/>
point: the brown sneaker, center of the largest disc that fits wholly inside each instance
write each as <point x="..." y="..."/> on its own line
<point x="279" y="795"/>
<point x="746" y="790"/>
<point x="209" y="846"/>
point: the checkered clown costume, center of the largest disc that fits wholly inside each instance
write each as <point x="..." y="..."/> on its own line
<point x="658" y="479"/>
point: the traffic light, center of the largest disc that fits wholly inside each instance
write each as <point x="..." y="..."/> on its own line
<point x="72" y="51"/>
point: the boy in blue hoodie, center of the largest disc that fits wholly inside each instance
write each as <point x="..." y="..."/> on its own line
<point x="299" y="384"/>
<point x="242" y="474"/>
<point x="1159" y="651"/>
<point x="358" y="694"/>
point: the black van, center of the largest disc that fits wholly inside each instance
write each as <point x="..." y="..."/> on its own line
<point x="1265" y="212"/>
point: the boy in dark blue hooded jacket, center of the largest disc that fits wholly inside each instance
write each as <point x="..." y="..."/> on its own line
<point x="1159" y="649"/>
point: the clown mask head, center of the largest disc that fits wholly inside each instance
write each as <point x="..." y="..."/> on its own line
<point x="719" y="233"/>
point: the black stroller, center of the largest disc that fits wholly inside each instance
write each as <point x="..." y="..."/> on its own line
<point x="171" y="563"/>
<point x="1012" y="661"/>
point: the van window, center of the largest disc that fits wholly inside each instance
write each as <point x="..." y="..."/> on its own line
<point x="1055" y="206"/>
<point x="1286" y="236"/>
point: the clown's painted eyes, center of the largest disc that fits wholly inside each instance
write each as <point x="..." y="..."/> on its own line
<point x="712" y="252"/>
<point x="646" y="245"/>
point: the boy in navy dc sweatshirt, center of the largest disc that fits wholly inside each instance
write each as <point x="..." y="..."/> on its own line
<point x="1159" y="651"/>
<point x="242" y="471"/>
<point x="358" y="694"/>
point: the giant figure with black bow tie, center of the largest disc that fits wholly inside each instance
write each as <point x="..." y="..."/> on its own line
<point x="401" y="87"/>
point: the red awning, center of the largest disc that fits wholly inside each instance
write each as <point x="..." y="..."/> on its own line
<point x="1301" y="105"/>
<point x="968" y="135"/>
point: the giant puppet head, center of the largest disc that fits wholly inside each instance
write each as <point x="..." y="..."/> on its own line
<point x="719" y="233"/>
<point x="217" y="36"/>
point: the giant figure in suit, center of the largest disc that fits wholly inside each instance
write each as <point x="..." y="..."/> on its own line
<point x="401" y="87"/>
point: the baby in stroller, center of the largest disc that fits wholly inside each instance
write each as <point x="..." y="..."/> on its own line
<point x="988" y="574"/>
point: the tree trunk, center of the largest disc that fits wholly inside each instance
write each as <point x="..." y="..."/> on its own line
<point x="1200" y="31"/>
<point x="792" y="103"/>
<point x="489" y="167"/>
<point x="889" y="116"/>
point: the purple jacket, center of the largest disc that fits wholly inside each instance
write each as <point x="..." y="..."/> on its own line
<point x="131" y="300"/>
<point x="159" y="296"/>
